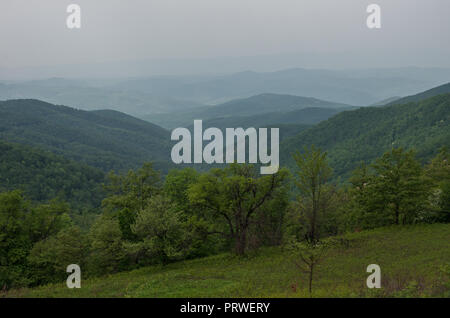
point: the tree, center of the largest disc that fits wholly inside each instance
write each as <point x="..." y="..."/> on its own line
<point x="439" y="167"/>
<point x="22" y="225"/>
<point x="236" y="195"/>
<point x="162" y="233"/>
<point x="398" y="186"/>
<point x="50" y="257"/>
<point x="14" y="241"/>
<point x="307" y="256"/>
<point x="313" y="173"/>
<point x="107" y="253"/>
<point x="439" y="172"/>
<point x="359" y="210"/>
<point x="176" y="186"/>
<point x="130" y="193"/>
<point x="47" y="219"/>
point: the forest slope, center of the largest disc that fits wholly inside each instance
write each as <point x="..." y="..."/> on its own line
<point x="104" y="139"/>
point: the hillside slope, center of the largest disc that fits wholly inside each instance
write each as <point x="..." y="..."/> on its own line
<point x="306" y="116"/>
<point x="43" y="176"/>
<point x="272" y="273"/>
<point x="442" y="89"/>
<point x="365" y="134"/>
<point x="103" y="139"/>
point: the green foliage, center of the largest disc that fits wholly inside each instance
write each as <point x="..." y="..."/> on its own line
<point x="395" y="192"/>
<point x="128" y="194"/>
<point x="444" y="202"/>
<point x="50" y="257"/>
<point x="107" y="251"/>
<point x="419" y="253"/>
<point x="43" y="176"/>
<point x="315" y="194"/>
<point x="307" y="256"/>
<point x="231" y="198"/>
<point x="364" y="134"/>
<point x="439" y="90"/>
<point x="176" y="185"/>
<point x="439" y="172"/>
<point x="14" y="242"/>
<point x="161" y="231"/>
<point x="47" y="219"/>
<point x="22" y="228"/>
<point x="103" y="139"/>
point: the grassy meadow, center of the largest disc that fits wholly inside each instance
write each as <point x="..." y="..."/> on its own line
<point x="414" y="261"/>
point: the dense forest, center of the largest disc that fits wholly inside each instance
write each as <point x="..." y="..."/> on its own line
<point x="107" y="140"/>
<point x="43" y="176"/>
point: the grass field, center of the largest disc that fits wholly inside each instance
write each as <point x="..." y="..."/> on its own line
<point x="414" y="261"/>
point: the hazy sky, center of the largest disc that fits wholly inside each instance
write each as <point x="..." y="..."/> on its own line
<point x="323" y="33"/>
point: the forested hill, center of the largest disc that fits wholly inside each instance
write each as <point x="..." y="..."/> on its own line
<point x="260" y="106"/>
<point x="364" y="134"/>
<point x="103" y="139"/>
<point x="443" y="89"/>
<point x="290" y="123"/>
<point x="43" y="176"/>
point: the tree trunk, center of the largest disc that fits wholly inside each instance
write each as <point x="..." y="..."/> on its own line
<point x="241" y="241"/>
<point x="397" y="213"/>
<point x="311" y="270"/>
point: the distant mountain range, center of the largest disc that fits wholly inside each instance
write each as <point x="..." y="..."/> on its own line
<point x="94" y="95"/>
<point x="143" y="97"/>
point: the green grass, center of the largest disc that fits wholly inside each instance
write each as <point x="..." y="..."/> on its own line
<point x="414" y="261"/>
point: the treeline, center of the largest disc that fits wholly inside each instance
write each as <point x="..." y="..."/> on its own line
<point x="146" y="220"/>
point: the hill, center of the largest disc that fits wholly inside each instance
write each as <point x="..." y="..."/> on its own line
<point x="366" y="133"/>
<point x="306" y="116"/>
<point x="272" y="273"/>
<point x="104" y="139"/>
<point x="43" y="176"/>
<point x="257" y="111"/>
<point x="386" y="101"/>
<point x="443" y="89"/>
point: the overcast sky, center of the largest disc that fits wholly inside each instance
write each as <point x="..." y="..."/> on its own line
<point x="323" y="33"/>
